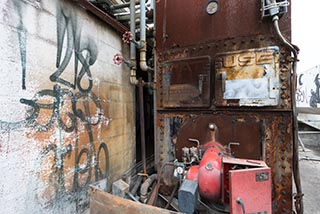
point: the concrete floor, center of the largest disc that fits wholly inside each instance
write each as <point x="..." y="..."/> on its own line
<point x="310" y="173"/>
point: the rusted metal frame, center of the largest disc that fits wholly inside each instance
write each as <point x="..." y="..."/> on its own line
<point x="103" y="16"/>
<point x="216" y="47"/>
<point x="294" y="50"/>
<point x="279" y="158"/>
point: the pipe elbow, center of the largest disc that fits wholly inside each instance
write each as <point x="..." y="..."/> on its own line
<point x="144" y="66"/>
<point x="143" y="61"/>
<point x="133" y="77"/>
<point x="145" y="186"/>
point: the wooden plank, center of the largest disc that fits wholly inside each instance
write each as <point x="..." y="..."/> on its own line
<point x="103" y="202"/>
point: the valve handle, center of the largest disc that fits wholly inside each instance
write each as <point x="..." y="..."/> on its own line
<point x="117" y="59"/>
<point x="127" y="37"/>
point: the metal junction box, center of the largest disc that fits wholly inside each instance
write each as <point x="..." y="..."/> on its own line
<point x="247" y="186"/>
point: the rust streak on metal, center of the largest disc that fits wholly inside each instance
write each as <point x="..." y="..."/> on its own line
<point x="242" y="46"/>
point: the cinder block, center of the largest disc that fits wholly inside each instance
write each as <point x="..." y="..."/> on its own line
<point x="119" y="188"/>
<point x="188" y="196"/>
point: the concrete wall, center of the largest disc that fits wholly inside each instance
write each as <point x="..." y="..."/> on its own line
<point x="66" y="112"/>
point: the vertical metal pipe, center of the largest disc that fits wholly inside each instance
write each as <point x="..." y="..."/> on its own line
<point x="133" y="28"/>
<point x="133" y="79"/>
<point x="143" y="50"/>
<point x="154" y="17"/>
<point x="142" y="132"/>
<point x="143" y="20"/>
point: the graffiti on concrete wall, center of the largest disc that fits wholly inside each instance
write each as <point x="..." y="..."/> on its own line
<point x="71" y="107"/>
<point x="315" y="97"/>
<point x="308" y="88"/>
<point x="22" y="35"/>
<point x="85" y="51"/>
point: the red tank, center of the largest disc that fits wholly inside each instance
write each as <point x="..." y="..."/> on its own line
<point x="208" y="172"/>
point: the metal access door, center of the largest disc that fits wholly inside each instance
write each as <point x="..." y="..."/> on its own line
<point x="250" y="191"/>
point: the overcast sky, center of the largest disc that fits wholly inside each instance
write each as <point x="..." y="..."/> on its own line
<point x="306" y="32"/>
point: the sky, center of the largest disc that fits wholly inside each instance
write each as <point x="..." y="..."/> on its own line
<point x="306" y="32"/>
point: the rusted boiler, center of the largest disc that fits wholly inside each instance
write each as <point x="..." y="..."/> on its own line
<point x="224" y="109"/>
<point x="227" y="63"/>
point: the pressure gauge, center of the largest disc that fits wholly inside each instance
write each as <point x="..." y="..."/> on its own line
<point x="212" y="7"/>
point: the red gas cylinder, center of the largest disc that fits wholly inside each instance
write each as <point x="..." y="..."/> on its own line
<point x="208" y="173"/>
<point x="209" y="178"/>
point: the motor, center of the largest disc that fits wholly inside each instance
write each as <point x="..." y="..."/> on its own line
<point x="239" y="185"/>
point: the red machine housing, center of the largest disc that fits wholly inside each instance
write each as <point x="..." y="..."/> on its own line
<point x="243" y="184"/>
<point x="208" y="172"/>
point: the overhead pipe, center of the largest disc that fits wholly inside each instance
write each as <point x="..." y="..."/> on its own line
<point x="124" y="17"/>
<point x="102" y="15"/>
<point x="119" y="6"/>
<point x="125" y="5"/>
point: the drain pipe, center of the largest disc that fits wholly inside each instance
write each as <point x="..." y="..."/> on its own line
<point x="143" y="42"/>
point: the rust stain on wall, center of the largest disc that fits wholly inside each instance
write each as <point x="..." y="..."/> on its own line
<point x="66" y="116"/>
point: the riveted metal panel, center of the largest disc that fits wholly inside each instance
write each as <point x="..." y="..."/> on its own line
<point x="263" y="127"/>
<point x="186" y="82"/>
<point x="262" y="136"/>
<point x="185" y="22"/>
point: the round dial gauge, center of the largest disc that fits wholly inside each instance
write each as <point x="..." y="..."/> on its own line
<point x="212" y="7"/>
